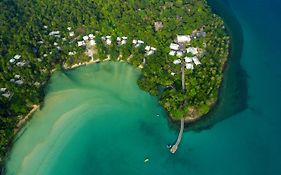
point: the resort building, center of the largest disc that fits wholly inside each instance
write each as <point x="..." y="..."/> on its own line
<point x="92" y="42"/>
<point x="121" y="40"/>
<point x="178" y="61"/>
<point x="12" y="60"/>
<point x="17" y="57"/>
<point x="188" y="59"/>
<point x="192" y="50"/>
<point x="172" y="53"/>
<point x="189" y="66"/>
<point x="183" y="39"/>
<point x="196" y="60"/>
<point x="91" y="36"/>
<point x="81" y="43"/>
<point x="71" y="33"/>
<point x="54" y="33"/>
<point x="174" y="46"/>
<point x="86" y="38"/>
<point x="179" y="54"/>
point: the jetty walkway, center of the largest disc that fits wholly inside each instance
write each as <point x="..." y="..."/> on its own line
<point x="175" y="146"/>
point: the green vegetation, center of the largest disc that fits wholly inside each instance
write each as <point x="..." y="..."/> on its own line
<point x="25" y="30"/>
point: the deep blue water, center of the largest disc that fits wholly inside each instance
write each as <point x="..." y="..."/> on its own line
<point x="250" y="142"/>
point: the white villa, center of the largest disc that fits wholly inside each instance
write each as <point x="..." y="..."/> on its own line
<point x="149" y="50"/>
<point x="183" y="39"/>
<point x="179" y="54"/>
<point x="121" y="40"/>
<point x="174" y="46"/>
<point x="196" y="60"/>
<point x="137" y="43"/>
<point x="172" y="53"/>
<point x="188" y="59"/>
<point x="86" y="38"/>
<point x="178" y="61"/>
<point x="12" y="60"/>
<point x="54" y="33"/>
<point x="3" y="89"/>
<point x="92" y="42"/>
<point x="71" y="33"/>
<point x="91" y="36"/>
<point x="17" y="57"/>
<point x="189" y="66"/>
<point x="81" y="43"/>
<point x="192" y="50"/>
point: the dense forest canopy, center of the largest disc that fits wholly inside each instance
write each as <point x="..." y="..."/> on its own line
<point x="26" y="27"/>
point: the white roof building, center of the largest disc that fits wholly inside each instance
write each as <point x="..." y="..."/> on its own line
<point x="19" y="82"/>
<point x="118" y="39"/>
<point x="45" y="27"/>
<point x="196" y="60"/>
<point x="188" y="59"/>
<point x="7" y="95"/>
<point x="108" y="36"/>
<point x="123" y="42"/>
<point x="178" y="61"/>
<point x="108" y="41"/>
<point x="124" y="37"/>
<point x="179" y="54"/>
<point x="173" y="73"/>
<point x="20" y="63"/>
<point x="92" y="42"/>
<point x="17" y="57"/>
<point x="150" y="52"/>
<point x="135" y="41"/>
<point x="183" y="39"/>
<point x="45" y="55"/>
<point x="80" y="43"/>
<point x="153" y="48"/>
<point x="54" y="33"/>
<point x="189" y="66"/>
<point x="85" y="38"/>
<point x="12" y="60"/>
<point x="147" y="48"/>
<point x="174" y="46"/>
<point x="192" y="50"/>
<point x="70" y="53"/>
<point x="55" y="44"/>
<point x="3" y="89"/>
<point x="91" y="36"/>
<point x="172" y="53"/>
<point x="140" y="41"/>
<point x="68" y="28"/>
<point x="17" y="76"/>
<point x="71" y="33"/>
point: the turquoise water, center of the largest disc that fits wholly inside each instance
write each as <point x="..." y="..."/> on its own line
<point x="96" y="121"/>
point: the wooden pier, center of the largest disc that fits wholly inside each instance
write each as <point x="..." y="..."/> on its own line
<point x="175" y="146"/>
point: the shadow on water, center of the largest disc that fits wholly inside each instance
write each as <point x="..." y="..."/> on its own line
<point x="233" y="93"/>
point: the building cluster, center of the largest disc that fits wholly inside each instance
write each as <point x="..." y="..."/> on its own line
<point x="17" y="60"/>
<point x="17" y="80"/>
<point x="107" y="39"/>
<point x="149" y="50"/>
<point x="188" y="56"/>
<point x="5" y="93"/>
<point x="137" y="43"/>
<point x="121" y="40"/>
